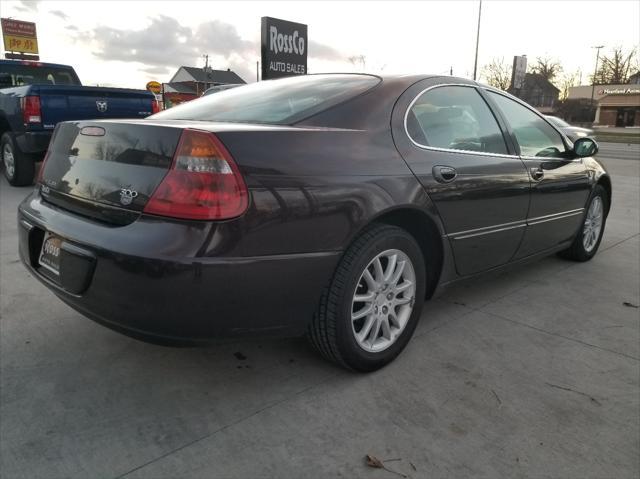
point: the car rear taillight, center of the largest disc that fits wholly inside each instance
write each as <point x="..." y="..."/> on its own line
<point x="31" y="109"/>
<point x="155" y="107"/>
<point x="203" y="183"/>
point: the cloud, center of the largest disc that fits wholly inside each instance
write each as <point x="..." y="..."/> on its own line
<point x="28" y="6"/>
<point x="164" y="45"/>
<point x="223" y="39"/>
<point x="321" y="51"/>
<point x="156" y="70"/>
<point x="165" y="42"/>
<point x="59" y="13"/>
<point x="72" y="28"/>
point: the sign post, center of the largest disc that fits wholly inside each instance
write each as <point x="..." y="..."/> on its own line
<point x="21" y="38"/>
<point x="284" y="48"/>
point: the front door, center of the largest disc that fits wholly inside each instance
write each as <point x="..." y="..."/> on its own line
<point x="560" y="184"/>
<point x="454" y="145"/>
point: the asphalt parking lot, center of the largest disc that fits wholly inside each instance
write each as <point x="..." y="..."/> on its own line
<point x="530" y="373"/>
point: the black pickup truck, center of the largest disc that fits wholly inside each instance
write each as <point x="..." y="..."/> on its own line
<point x="35" y="97"/>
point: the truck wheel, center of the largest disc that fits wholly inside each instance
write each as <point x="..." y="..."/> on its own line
<point x="372" y="306"/>
<point x="19" y="168"/>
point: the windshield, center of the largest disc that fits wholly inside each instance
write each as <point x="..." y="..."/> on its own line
<point x="34" y="74"/>
<point x="273" y="101"/>
<point x="559" y="122"/>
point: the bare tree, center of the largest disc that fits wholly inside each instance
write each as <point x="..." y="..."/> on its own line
<point x="358" y="59"/>
<point x="567" y="81"/>
<point x="497" y="73"/>
<point x="548" y="68"/>
<point x="615" y="69"/>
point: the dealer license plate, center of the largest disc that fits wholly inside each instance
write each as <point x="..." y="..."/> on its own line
<point x="50" y="253"/>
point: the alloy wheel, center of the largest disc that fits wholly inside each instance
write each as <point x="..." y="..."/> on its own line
<point x="383" y="300"/>
<point x="9" y="160"/>
<point x="592" y="224"/>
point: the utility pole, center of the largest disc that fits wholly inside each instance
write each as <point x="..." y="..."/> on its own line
<point x="595" y="72"/>
<point x="257" y="70"/>
<point x="451" y="71"/>
<point x="475" y="63"/>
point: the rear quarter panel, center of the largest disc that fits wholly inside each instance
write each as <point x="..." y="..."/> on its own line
<point x="314" y="190"/>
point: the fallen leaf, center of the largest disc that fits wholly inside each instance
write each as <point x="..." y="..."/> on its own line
<point x="630" y="305"/>
<point x="373" y="461"/>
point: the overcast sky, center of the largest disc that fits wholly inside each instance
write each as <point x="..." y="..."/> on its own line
<point x="129" y="43"/>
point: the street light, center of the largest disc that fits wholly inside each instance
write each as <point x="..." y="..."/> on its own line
<point x="595" y="72"/>
<point x="475" y="63"/>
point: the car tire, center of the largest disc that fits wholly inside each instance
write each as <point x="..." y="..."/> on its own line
<point x="391" y="305"/>
<point x="585" y="244"/>
<point x="19" y="168"/>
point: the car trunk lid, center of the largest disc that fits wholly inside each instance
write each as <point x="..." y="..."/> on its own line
<point x="107" y="170"/>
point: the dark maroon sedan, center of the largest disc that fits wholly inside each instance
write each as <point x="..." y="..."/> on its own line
<point x="330" y="205"/>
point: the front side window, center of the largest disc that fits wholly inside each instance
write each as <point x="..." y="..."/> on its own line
<point x="454" y="118"/>
<point x="534" y="135"/>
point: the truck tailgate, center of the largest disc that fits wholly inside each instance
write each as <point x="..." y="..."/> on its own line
<point x="64" y="102"/>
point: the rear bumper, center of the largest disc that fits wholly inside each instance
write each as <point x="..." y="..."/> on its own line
<point x="164" y="298"/>
<point x="34" y="142"/>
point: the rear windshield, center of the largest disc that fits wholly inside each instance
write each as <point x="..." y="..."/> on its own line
<point x="20" y="75"/>
<point x="274" y="101"/>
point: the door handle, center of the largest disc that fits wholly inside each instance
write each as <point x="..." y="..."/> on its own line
<point x="444" y="174"/>
<point x="537" y="173"/>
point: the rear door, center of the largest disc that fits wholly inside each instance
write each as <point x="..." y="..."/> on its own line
<point x="454" y="144"/>
<point x="560" y="183"/>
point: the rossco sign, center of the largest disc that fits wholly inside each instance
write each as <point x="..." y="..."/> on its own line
<point x="284" y="48"/>
<point x="285" y="43"/>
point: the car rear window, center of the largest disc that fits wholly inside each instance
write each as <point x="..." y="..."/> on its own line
<point x="282" y="101"/>
<point x="20" y="75"/>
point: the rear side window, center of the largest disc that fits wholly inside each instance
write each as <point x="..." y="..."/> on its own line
<point x="534" y="135"/>
<point x="454" y="118"/>
<point x="22" y="75"/>
<point x="274" y="101"/>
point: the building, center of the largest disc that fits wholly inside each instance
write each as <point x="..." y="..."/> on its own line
<point x="189" y="83"/>
<point x="616" y="105"/>
<point x="635" y="78"/>
<point x="538" y="92"/>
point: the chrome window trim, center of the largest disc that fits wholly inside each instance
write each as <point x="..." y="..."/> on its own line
<point x="515" y="224"/>
<point x="552" y="158"/>
<point x="450" y="150"/>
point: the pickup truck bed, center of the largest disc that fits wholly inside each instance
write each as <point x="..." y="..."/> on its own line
<point x="29" y="113"/>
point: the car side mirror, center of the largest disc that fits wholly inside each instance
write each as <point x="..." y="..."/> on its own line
<point x="585" y="147"/>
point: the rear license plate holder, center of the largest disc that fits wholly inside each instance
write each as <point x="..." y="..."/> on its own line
<point x="50" y="253"/>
